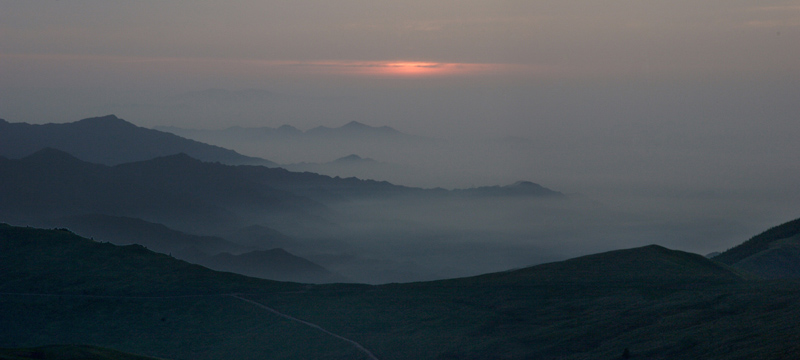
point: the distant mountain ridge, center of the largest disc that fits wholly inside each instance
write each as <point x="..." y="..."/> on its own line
<point x="186" y="193"/>
<point x="353" y="128"/>
<point x="157" y="237"/>
<point x="287" y="144"/>
<point x="178" y="191"/>
<point x="110" y="140"/>
<point x="519" y="188"/>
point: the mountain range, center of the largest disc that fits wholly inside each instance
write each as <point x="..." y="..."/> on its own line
<point x="288" y="145"/>
<point x="178" y="191"/>
<point x="194" y="210"/>
<point x="110" y="140"/>
<point x="353" y="129"/>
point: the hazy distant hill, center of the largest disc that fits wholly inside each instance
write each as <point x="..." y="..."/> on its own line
<point x="157" y="237"/>
<point x="657" y="303"/>
<point x="288" y="145"/>
<point x="109" y="140"/>
<point x="353" y="130"/>
<point x="353" y="165"/>
<point x="774" y="253"/>
<point x="518" y="189"/>
<point x="274" y="264"/>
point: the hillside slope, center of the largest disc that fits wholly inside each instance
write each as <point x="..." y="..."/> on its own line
<point x="658" y="304"/>
<point x="68" y="352"/>
<point x="775" y="253"/>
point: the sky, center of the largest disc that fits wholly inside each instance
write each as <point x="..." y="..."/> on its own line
<point x="698" y="99"/>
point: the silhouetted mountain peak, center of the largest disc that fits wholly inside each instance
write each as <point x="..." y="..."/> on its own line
<point x="525" y="185"/>
<point x="179" y="160"/>
<point x="108" y="120"/>
<point x="355" y="125"/>
<point x="352" y="158"/>
<point x="179" y="157"/>
<point x="519" y="188"/>
<point x="288" y="129"/>
<point x="51" y="155"/>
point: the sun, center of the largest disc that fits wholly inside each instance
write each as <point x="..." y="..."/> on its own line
<point x="414" y="68"/>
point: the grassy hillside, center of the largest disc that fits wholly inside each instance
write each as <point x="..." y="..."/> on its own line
<point x="654" y="302"/>
<point x="759" y="242"/>
<point x="68" y="352"/>
<point x="774" y="253"/>
<point x="60" y="262"/>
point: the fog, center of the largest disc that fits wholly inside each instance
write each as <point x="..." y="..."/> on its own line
<point x="423" y="238"/>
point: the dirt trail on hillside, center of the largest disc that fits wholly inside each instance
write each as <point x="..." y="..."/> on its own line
<point x="276" y="312"/>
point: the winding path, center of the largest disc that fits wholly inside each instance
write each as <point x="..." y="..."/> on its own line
<point x="358" y="346"/>
<point x="315" y="326"/>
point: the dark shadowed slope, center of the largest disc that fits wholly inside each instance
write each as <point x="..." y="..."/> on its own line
<point x="68" y="352"/>
<point x="211" y="251"/>
<point x="59" y="288"/>
<point x="657" y="303"/>
<point x="759" y="242"/>
<point x="109" y="140"/>
<point x="774" y="253"/>
<point x="651" y="264"/>
<point x="60" y="262"/>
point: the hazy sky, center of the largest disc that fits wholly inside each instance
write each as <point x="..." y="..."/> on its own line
<point x="192" y="45"/>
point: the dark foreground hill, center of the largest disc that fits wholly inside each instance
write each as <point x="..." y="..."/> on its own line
<point x="60" y="262"/>
<point x="211" y="251"/>
<point x="110" y="140"/>
<point x="68" y="352"/>
<point x="648" y="303"/>
<point x="774" y="253"/>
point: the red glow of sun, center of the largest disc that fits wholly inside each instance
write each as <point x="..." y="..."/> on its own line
<point x="394" y="69"/>
<point x="414" y="68"/>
